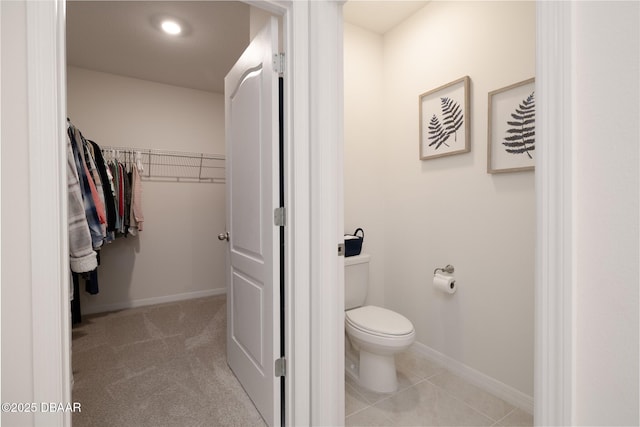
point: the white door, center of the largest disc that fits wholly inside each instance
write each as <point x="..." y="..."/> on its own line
<point x="253" y="180"/>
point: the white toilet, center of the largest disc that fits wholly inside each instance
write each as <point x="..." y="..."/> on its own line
<point x="374" y="334"/>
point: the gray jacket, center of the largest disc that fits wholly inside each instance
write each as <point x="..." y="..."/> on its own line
<point x="81" y="254"/>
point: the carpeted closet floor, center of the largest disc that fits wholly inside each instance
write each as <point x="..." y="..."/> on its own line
<point x="158" y="366"/>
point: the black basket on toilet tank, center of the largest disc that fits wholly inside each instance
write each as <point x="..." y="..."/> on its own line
<point x="353" y="243"/>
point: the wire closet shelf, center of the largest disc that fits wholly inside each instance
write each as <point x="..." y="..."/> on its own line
<point x="162" y="165"/>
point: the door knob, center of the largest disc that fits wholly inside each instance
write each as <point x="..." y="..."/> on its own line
<point x="223" y="236"/>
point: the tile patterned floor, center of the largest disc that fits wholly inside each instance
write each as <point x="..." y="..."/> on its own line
<point x="428" y="395"/>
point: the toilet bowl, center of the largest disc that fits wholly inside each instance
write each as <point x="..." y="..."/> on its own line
<point x="378" y="334"/>
<point x="374" y="334"/>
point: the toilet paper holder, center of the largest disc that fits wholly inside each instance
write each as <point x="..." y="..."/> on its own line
<point x="448" y="269"/>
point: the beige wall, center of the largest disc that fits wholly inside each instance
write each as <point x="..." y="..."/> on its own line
<point x="364" y="148"/>
<point x="420" y="215"/>
<point x="178" y="251"/>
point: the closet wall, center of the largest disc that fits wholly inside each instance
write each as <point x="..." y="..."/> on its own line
<point x="177" y="255"/>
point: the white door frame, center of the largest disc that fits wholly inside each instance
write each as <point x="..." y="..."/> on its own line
<point x="554" y="376"/>
<point x="51" y="324"/>
<point x="313" y="42"/>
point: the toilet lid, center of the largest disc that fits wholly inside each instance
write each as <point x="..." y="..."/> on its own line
<point x="379" y="320"/>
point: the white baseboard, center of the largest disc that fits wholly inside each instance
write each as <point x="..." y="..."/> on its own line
<point x="152" y="301"/>
<point x="477" y="378"/>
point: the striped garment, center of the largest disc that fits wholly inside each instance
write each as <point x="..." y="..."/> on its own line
<point x="82" y="257"/>
<point x="91" y="213"/>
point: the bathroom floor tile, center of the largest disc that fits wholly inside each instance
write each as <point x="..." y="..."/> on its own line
<point x="371" y="397"/>
<point x="473" y="396"/>
<point x="353" y="401"/>
<point x="371" y="416"/>
<point x="413" y="364"/>
<point x="425" y="404"/>
<point x="517" y="417"/>
<point x="428" y="395"/>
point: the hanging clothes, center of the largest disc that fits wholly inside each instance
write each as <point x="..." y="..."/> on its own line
<point x="136" y="203"/>
<point x="82" y="257"/>
<point x="87" y="197"/>
<point x="126" y="186"/>
<point x="104" y="202"/>
<point x="115" y="172"/>
<point x="121" y="195"/>
<point x="107" y="186"/>
<point x="96" y="189"/>
<point x="127" y="199"/>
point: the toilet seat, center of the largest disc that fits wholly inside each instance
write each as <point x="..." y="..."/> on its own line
<point x="379" y="321"/>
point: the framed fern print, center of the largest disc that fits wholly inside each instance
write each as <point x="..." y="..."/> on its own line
<point x="511" y="139"/>
<point x="444" y="120"/>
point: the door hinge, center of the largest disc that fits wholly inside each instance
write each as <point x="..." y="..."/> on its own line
<point x="280" y="217"/>
<point x="340" y="249"/>
<point x="278" y="63"/>
<point x="281" y="367"/>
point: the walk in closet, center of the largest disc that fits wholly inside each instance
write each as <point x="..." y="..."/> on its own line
<point x="130" y="86"/>
<point x="157" y="100"/>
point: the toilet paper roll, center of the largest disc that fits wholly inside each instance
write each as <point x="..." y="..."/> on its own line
<point x="444" y="283"/>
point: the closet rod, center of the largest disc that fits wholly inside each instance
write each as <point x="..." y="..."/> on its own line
<point x="172" y="165"/>
<point x="182" y="154"/>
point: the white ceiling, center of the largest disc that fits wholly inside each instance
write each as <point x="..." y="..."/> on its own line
<point x="119" y="37"/>
<point x="380" y="16"/>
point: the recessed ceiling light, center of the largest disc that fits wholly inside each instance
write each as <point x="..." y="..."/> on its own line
<point x="171" y="27"/>
<point x="168" y="24"/>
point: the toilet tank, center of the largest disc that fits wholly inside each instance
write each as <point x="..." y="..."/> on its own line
<point x="356" y="280"/>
